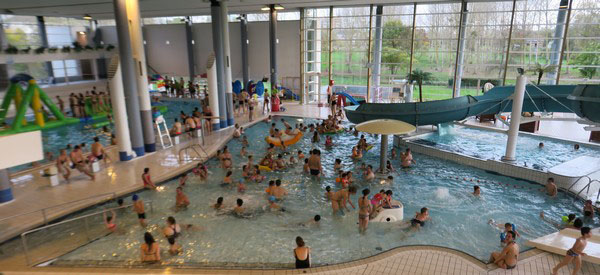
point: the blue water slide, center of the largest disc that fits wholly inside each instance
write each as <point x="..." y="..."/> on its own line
<point x="349" y="97"/>
<point x="584" y="100"/>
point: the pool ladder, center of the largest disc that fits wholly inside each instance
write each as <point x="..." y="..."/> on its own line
<point x="195" y="148"/>
<point x="587" y="186"/>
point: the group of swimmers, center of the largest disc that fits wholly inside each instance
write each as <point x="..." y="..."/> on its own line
<point x="99" y="102"/>
<point x="76" y="159"/>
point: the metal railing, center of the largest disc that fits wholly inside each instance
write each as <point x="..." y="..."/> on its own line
<point x="44" y="211"/>
<point x="194" y="148"/>
<point x="587" y="186"/>
<point x="86" y="226"/>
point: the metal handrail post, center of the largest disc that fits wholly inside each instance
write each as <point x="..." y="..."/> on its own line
<point x="25" y="249"/>
<point x="87" y="228"/>
<point x="44" y="216"/>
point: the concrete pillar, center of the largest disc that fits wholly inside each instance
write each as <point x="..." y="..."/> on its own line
<point x="244" y="32"/>
<point x="213" y="92"/>
<point x="557" y="42"/>
<point x="383" y="154"/>
<point x="189" y="38"/>
<point x="139" y="57"/>
<point x="515" y="119"/>
<point x="461" y="50"/>
<point x="3" y="67"/>
<point x="227" y="64"/>
<point x="44" y="38"/>
<point x="273" y="45"/>
<point x="130" y="85"/>
<point x="117" y="99"/>
<point x="6" y="194"/>
<point x="217" y="34"/>
<point x="377" y="42"/>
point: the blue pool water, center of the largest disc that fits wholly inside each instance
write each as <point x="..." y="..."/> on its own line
<point x="492" y="145"/>
<point x="267" y="239"/>
<point x="57" y="138"/>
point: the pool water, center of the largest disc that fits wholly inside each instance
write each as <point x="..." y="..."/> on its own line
<point x="492" y="145"/>
<point x="266" y="239"/>
<point x="57" y="138"/>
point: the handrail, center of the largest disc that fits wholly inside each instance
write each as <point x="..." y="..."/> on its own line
<point x="589" y="179"/>
<point x="193" y="147"/>
<point x="43" y="210"/>
<point x="84" y="217"/>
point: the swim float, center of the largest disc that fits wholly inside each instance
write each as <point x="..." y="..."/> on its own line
<point x="338" y="130"/>
<point x="287" y="139"/>
<point x="395" y="214"/>
<point x="264" y="168"/>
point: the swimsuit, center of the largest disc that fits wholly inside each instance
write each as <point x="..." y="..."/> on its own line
<point x="572" y="253"/>
<point x="414" y="222"/>
<point x="142" y="216"/>
<point x="315" y="172"/>
<point x="302" y="263"/>
<point x="100" y="157"/>
<point x="171" y="238"/>
<point x="587" y="213"/>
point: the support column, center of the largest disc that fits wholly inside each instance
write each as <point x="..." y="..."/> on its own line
<point x="6" y="194"/>
<point x="227" y="64"/>
<point x="458" y="71"/>
<point x="383" y="154"/>
<point x="557" y="42"/>
<point x="217" y="35"/>
<point x="117" y="99"/>
<point x="376" y="61"/>
<point x="3" y="67"/>
<point x="244" y="32"/>
<point x="129" y="77"/>
<point x="273" y="45"/>
<point x="139" y="57"/>
<point x="44" y="38"/>
<point x="515" y="119"/>
<point x="189" y="38"/>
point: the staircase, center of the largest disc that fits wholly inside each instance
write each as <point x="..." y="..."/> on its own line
<point x="113" y="66"/>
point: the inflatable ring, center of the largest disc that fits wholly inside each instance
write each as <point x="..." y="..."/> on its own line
<point x="287" y="139"/>
<point x="100" y="124"/>
<point x="265" y="168"/>
<point x="369" y="147"/>
<point x="340" y="129"/>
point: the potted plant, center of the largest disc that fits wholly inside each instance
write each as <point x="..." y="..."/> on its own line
<point x="52" y="50"/>
<point x="419" y="76"/>
<point x="40" y="50"/>
<point x="77" y="47"/>
<point x="66" y="49"/>
<point x="26" y="50"/>
<point x="540" y="70"/>
<point x="11" y="49"/>
<point x="99" y="47"/>
<point x="88" y="48"/>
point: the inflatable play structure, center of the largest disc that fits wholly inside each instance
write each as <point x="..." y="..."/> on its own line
<point x="349" y="97"/>
<point x="584" y="100"/>
<point x="339" y="129"/>
<point x="287" y="139"/>
<point x="395" y="214"/>
<point x="32" y="97"/>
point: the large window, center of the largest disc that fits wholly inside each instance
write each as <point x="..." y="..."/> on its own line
<point x="22" y="32"/>
<point x="316" y="53"/>
<point x="397" y="27"/>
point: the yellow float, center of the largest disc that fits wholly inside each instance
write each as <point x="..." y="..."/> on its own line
<point x="287" y="139"/>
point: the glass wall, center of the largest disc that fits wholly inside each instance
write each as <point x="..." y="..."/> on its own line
<point x="23" y="32"/>
<point x="488" y="55"/>
<point x="315" y="41"/>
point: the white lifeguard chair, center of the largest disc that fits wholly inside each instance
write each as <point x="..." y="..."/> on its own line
<point x="160" y="120"/>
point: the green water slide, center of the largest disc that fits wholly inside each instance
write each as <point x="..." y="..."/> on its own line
<point x="584" y="100"/>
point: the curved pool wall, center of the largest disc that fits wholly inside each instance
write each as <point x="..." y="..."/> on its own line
<point x="266" y="240"/>
<point x="57" y="138"/>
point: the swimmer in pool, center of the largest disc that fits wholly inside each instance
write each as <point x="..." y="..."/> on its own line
<point x="315" y="221"/>
<point x="300" y="155"/>
<point x="271" y="189"/>
<point x="138" y="208"/>
<point x="273" y="206"/>
<point x="279" y="192"/>
<point x="219" y="204"/>
<point x="183" y="179"/>
<point x="356" y="153"/>
<point x="389" y="167"/>
<point x="314" y="163"/>
<point x="306" y="168"/>
<point x="241" y="188"/>
<point x="109" y="221"/>
<point x="576" y="147"/>
<point x="171" y="232"/>
<point x="328" y="141"/>
<point x="506" y="227"/>
<point x="570" y="221"/>
<point x="394" y="155"/>
<point x="328" y="192"/>
<point x="279" y="163"/>
<point x="550" y="188"/>
<point x="368" y="174"/>
<point x="588" y="210"/>
<point x="243" y="151"/>
<point x="245" y="141"/>
<point x="420" y="218"/>
<point x="340" y="199"/>
<point x="238" y="209"/>
<point x="541" y="145"/>
<point x="337" y="165"/>
<point x="476" y="191"/>
<point x="181" y="199"/>
<point x="407" y="159"/>
<point x="227" y="181"/>
<point x="292" y="161"/>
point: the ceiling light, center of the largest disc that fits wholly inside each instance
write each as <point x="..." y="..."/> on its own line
<point x="278" y="7"/>
<point x="265" y="8"/>
<point x="87" y="17"/>
<point x="81" y="32"/>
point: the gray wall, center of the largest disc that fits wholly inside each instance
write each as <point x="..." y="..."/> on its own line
<point x="172" y="59"/>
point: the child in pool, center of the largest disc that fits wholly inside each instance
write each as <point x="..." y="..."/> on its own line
<point x="109" y="221"/>
<point x="183" y="179"/>
<point x="227" y="180"/>
<point x="328" y="141"/>
<point x="328" y="192"/>
<point x="575" y="252"/>
<point x="245" y="172"/>
<point x="243" y="151"/>
<point x="338" y="164"/>
<point x="300" y="155"/>
<point x="306" y="169"/>
<point x="245" y="141"/>
<point x="257" y="177"/>
<point x="241" y="187"/>
<point x="292" y="161"/>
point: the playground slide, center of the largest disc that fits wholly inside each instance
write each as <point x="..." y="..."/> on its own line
<point x="349" y="97"/>
<point x="584" y="100"/>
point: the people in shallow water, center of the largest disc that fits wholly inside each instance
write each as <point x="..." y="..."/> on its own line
<point x="138" y="208"/>
<point x="420" y="218"/>
<point x="273" y="206"/>
<point x="150" y="251"/>
<point x="368" y="174"/>
<point x="541" y="145"/>
<point x="588" y="210"/>
<point x="239" y="209"/>
<point x="576" y="147"/>
<point x="569" y="221"/>
<point x="181" y="199"/>
<point x="109" y="221"/>
<point x="341" y="198"/>
<point x="476" y="190"/>
<point x="407" y="159"/>
<point x="364" y="210"/>
<point x="219" y="204"/>
<point x="279" y="192"/>
<point x="507" y="258"/>
<point x="550" y="188"/>
<point x="171" y="232"/>
<point x="314" y="163"/>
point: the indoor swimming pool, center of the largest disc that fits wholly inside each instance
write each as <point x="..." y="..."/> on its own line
<point x="266" y="239"/>
<point x="484" y="144"/>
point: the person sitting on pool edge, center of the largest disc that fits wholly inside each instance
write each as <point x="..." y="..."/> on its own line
<point x="147" y="180"/>
<point x="507" y="258"/>
<point x="150" y="250"/>
<point x="550" y="188"/>
<point x="302" y="254"/>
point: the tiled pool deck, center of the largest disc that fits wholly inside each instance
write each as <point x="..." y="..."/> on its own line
<point x="124" y="177"/>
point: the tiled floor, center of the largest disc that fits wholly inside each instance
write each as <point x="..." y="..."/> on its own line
<point x="124" y="177"/>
